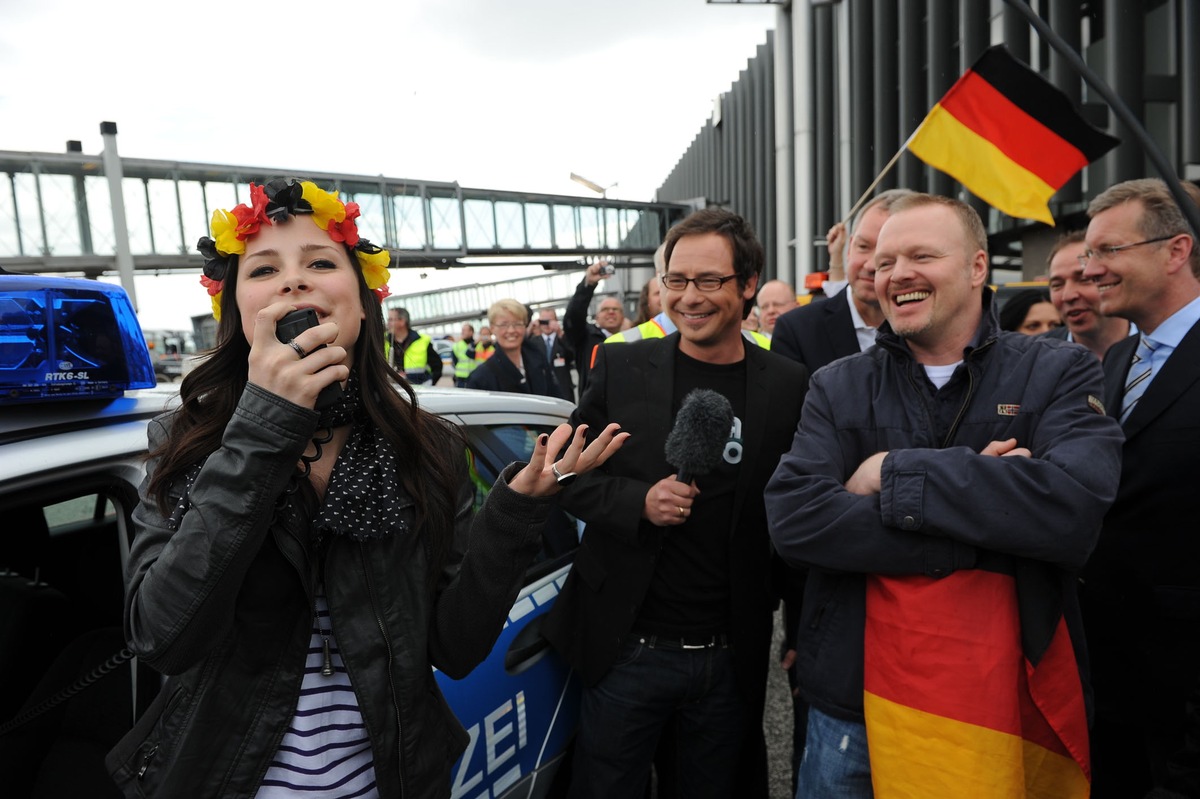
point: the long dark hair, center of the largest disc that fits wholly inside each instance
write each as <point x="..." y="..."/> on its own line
<point x="431" y="469"/>
<point x="1013" y="314"/>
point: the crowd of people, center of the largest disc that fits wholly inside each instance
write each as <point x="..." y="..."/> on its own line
<point x="984" y="543"/>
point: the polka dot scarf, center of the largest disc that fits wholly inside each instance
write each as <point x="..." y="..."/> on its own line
<point x="362" y="500"/>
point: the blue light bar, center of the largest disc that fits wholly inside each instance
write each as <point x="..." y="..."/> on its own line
<point x="68" y="339"/>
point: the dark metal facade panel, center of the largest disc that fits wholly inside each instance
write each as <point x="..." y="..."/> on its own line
<point x="941" y="47"/>
<point x="1124" y="49"/>
<point x="1065" y="18"/>
<point x="904" y="55"/>
<point x="861" y="99"/>
<point x="1189" y="78"/>
<point x="887" y="98"/>
<point x="732" y="163"/>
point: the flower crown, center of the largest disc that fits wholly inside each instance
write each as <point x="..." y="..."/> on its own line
<point x="275" y="202"/>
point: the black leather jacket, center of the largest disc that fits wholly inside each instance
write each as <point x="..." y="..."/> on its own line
<point x="224" y="606"/>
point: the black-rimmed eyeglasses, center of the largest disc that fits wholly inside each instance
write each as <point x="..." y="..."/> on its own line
<point x="703" y="283"/>
<point x="1105" y="254"/>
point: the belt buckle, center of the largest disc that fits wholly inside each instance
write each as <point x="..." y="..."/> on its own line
<point x="712" y="642"/>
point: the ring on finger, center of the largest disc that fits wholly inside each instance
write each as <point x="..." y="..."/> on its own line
<point x="562" y="479"/>
<point x="682" y="512"/>
<point x="299" y="350"/>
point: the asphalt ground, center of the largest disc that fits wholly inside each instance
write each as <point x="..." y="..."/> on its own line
<point x="777" y="721"/>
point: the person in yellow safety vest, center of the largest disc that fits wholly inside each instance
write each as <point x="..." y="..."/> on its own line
<point x="661" y="326"/>
<point x="464" y="355"/>
<point x="410" y="352"/>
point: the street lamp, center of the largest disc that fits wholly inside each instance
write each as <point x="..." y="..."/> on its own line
<point x="596" y="187"/>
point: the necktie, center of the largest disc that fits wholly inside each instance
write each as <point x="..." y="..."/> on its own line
<point x="1139" y="377"/>
<point x="550" y="349"/>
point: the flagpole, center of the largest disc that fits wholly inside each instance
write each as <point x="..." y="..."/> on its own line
<point x="1122" y="111"/>
<point x="887" y="168"/>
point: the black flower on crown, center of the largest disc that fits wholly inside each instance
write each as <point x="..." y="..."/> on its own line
<point x="285" y="198"/>
<point x="215" y="264"/>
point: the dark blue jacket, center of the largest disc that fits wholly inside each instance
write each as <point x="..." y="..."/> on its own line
<point x="942" y="506"/>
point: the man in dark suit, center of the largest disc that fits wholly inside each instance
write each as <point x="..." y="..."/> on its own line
<point x="582" y="336"/>
<point x="1141" y="587"/>
<point x="822" y="332"/>
<point x="560" y="355"/>
<point x="666" y="615"/>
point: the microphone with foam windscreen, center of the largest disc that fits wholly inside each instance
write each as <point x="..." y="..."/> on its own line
<point x="697" y="442"/>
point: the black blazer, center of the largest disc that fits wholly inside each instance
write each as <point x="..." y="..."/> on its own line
<point x="1141" y="586"/>
<point x="498" y="373"/>
<point x="615" y="562"/>
<point x="817" y="334"/>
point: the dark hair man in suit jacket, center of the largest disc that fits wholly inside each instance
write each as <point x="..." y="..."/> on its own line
<point x="674" y="579"/>
<point x="1141" y="587"/>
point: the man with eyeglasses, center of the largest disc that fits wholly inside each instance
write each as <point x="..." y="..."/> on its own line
<point x="667" y="613"/>
<point x="1141" y="587"/>
<point x="1077" y="300"/>
<point x="582" y="336"/>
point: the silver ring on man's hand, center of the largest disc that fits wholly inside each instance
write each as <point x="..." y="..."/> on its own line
<point x="299" y="350"/>
<point x="560" y="478"/>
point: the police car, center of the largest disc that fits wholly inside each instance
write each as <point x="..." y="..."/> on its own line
<point x="77" y="389"/>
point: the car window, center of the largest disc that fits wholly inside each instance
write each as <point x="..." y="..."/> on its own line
<point x="61" y="581"/>
<point x="495" y="446"/>
<point x="62" y="516"/>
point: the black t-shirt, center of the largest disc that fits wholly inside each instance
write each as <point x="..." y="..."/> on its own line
<point x="690" y="590"/>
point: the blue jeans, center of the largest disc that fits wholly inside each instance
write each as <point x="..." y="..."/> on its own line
<point x="648" y="687"/>
<point x="835" y="764"/>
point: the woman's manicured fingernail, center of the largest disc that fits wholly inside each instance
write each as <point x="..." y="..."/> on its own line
<point x="543" y="439"/>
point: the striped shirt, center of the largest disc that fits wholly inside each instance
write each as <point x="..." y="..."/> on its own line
<point x="325" y="751"/>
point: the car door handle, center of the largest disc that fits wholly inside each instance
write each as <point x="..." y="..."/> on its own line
<point x="527" y="648"/>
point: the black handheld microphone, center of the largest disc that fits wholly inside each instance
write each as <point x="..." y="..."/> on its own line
<point x="697" y="442"/>
<point x="293" y="324"/>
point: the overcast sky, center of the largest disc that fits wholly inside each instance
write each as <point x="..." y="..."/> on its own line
<point x="506" y="94"/>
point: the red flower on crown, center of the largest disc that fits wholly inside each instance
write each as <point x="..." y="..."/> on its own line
<point x="346" y="230"/>
<point x="250" y="217"/>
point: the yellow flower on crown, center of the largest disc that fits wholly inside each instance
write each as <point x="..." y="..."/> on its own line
<point x="326" y="205"/>
<point x="225" y="230"/>
<point x="275" y="202"/>
<point x="374" y="267"/>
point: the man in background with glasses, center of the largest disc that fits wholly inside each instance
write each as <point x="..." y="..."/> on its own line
<point x="667" y="613"/>
<point x="1141" y="587"/>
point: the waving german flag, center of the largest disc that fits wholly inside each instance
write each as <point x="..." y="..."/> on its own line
<point x="971" y="687"/>
<point x="1008" y="135"/>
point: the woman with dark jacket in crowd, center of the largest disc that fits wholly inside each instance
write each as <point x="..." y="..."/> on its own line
<point x="1030" y="312"/>
<point x="519" y="364"/>
<point x="295" y="571"/>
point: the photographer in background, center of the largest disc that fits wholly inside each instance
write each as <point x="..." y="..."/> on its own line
<point x="583" y="336"/>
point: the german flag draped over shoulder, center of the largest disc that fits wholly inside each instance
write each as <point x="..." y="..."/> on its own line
<point x="1008" y="135"/>
<point x="971" y="687"/>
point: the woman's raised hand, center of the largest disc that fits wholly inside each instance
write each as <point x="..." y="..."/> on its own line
<point x="543" y="476"/>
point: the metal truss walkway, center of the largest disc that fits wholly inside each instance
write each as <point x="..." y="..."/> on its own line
<point x="96" y="214"/>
